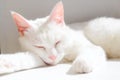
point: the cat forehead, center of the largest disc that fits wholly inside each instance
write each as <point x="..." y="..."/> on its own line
<point x="49" y="32"/>
<point x="51" y="36"/>
<point x="39" y="21"/>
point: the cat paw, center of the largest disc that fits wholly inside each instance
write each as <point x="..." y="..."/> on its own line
<point x="80" y="67"/>
<point x="5" y="67"/>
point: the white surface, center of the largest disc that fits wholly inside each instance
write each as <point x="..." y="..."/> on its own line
<point x="59" y="72"/>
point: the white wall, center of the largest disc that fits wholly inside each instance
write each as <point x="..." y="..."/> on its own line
<point x="75" y="11"/>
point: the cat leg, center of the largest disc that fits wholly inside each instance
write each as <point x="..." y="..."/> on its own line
<point x="19" y="61"/>
<point x="89" y="59"/>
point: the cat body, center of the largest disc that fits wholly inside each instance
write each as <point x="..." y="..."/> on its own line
<point x="49" y="41"/>
<point x="107" y="31"/>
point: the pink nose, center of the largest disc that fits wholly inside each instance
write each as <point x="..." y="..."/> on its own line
<point x="52" y="57"/>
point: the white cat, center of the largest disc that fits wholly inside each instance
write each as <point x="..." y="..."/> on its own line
<point x="49" y="41"/>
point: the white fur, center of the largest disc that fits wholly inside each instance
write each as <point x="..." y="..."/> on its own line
<point x="73" y="46"/>
<point x="105" y="32"/>
<point x="19" y="61"/>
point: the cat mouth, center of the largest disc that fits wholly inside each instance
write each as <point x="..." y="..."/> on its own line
<point x="49" y="63"/>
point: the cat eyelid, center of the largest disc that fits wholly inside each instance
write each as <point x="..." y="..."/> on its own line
<point x="40" y="47"/>
<point x="57" y="43"/>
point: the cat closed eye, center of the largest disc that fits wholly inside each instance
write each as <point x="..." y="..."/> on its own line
<point x="57" y="43"/>
<point x="42" y="47"/>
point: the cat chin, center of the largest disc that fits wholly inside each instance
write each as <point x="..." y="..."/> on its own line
<point x="50" y="63"/>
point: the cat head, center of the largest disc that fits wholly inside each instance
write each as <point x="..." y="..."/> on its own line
<point x="43" y="36"/>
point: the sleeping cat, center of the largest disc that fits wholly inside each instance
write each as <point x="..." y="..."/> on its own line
<point x="49" y="41"/>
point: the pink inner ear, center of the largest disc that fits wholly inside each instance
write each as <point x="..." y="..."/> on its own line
<point x="57" y="14"/>
<point x="21" y="23"/>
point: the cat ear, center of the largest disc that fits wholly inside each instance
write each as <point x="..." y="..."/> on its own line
<point x="21" y="22"/>
<point x="57" y="14"/>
